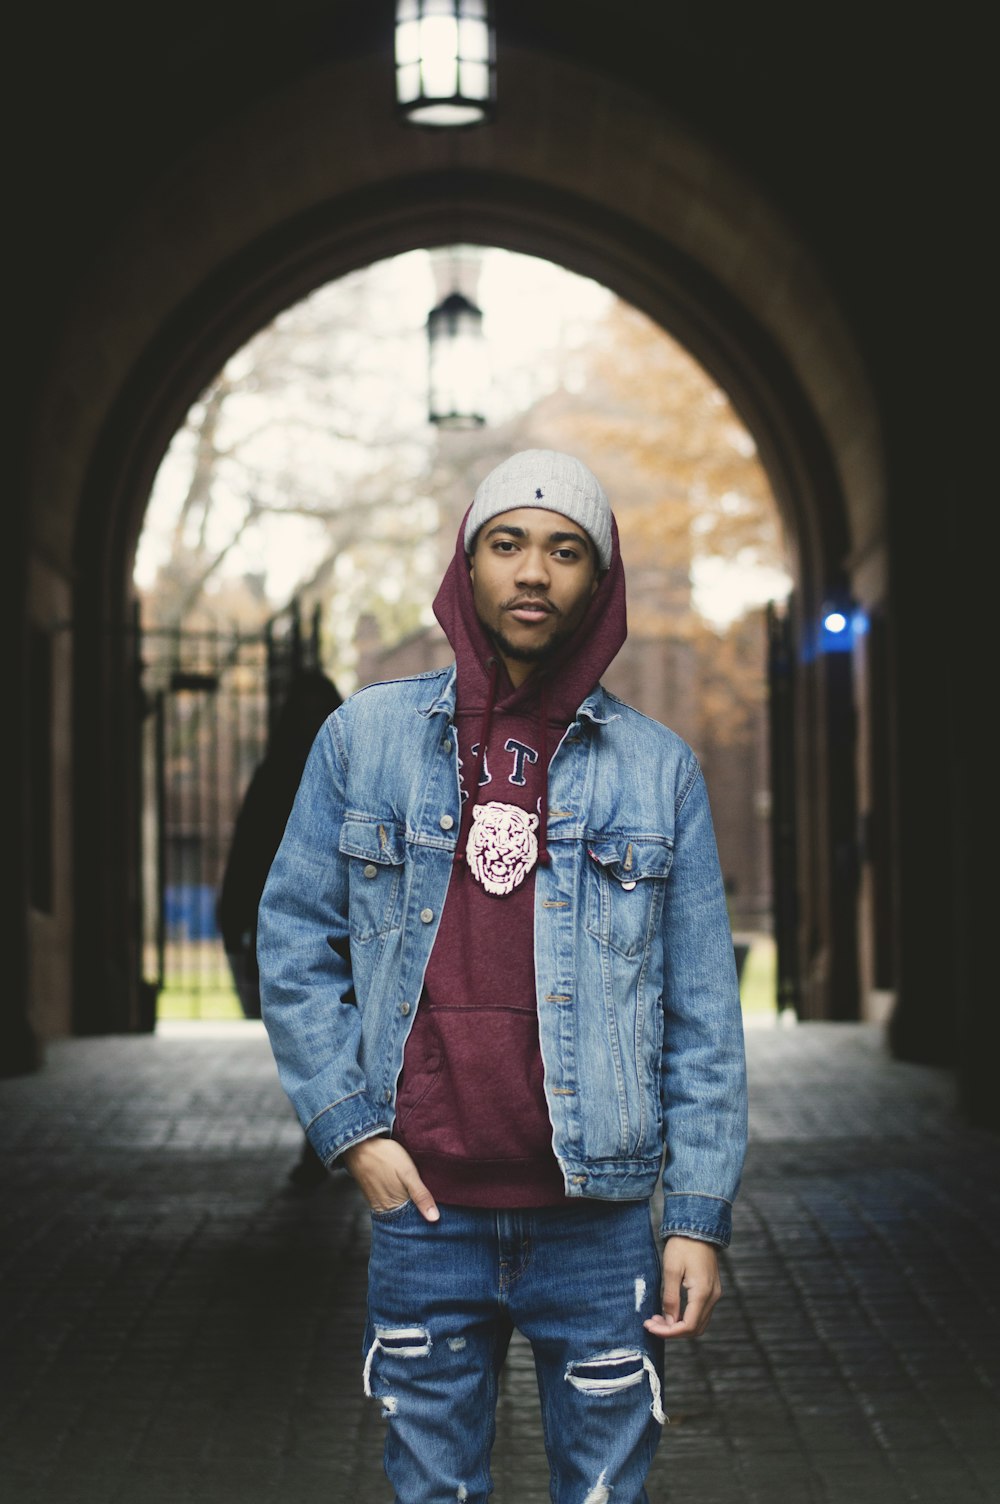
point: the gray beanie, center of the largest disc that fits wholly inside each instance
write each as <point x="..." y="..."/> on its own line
<point x="553" y="482"/>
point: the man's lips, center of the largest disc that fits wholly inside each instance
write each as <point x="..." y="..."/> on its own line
<point x="530" y="611"/>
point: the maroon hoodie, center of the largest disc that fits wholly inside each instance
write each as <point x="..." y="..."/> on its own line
<point x="471" y="1105"/>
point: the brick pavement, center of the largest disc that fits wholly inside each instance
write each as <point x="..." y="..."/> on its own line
<point x="179" y="1329"/>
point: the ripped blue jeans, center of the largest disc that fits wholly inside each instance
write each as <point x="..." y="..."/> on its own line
<point x="443" y="1300"/>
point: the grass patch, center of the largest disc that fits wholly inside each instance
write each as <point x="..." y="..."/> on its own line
<point x="210" y="1003"/>
<point x="198" y="983"/>
<point x="759" y="982"/>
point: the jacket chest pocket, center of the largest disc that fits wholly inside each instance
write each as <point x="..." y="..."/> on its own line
<point x="375" y="850"/>
<point x="625" y="881"/>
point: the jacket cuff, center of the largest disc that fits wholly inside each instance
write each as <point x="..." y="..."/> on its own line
<point x="692" y="1215"/>
<point x="343" y="1124"/>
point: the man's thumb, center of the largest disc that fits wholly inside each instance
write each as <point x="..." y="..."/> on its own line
<point x="423" y="1200"/>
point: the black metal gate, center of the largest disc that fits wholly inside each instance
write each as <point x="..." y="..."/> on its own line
<point x="212" y="700"/>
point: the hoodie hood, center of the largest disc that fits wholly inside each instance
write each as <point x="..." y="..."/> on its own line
<point x="564" y="680"/>
<point x="471" y="1106"/>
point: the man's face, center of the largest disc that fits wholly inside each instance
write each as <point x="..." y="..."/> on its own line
<point x="533" y="574"/>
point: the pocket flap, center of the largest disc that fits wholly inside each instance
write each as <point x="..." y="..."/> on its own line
<point x="373" y="841"/>
<point x="631" y="859"/>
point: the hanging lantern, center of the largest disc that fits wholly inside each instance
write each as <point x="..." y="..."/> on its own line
<point x="445" y="62"/>
<point x="457" y="356"/>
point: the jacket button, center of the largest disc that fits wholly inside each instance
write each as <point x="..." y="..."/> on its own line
<point x="426" y="915"/>
<point x="404" y="1009"/>
<point x="371" y="870"/>
<point x="446" y="822"/>
<point x="627" y="887"/>
<point x="387" y="1095"/>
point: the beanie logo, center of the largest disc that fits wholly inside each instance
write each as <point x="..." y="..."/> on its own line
<point x="502" y="847"/>
<point x="539" y="494"/>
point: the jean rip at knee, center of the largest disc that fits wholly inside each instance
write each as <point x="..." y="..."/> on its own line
<point x="399" y="1342"/>
<point x="609" y="1374"/>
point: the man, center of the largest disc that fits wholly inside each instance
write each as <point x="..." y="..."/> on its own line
<point x="499" y="983"/>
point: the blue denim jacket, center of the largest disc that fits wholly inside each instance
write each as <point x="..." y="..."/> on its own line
<point x="638" y="1005"/>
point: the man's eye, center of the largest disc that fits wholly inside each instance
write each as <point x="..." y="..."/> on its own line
<point x="567" y="553"/>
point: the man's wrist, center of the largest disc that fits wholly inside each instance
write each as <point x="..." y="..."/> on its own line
<point x="351" y="1152"/>
<point x="693" y="1214"/>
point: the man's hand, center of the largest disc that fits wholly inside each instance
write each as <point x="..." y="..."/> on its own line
<point x="693" y="1266"/>
<point x="388" y="1177"/>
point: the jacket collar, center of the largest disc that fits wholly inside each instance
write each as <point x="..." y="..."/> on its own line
<point x="443" y="700"/>
<point x="598" y="707"/>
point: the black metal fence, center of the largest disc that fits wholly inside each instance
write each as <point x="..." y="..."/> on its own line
<point x="212" y="699"/>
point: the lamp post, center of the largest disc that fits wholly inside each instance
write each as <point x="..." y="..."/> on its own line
<point x="445" y="62"/>
<point x="457" y="360"/>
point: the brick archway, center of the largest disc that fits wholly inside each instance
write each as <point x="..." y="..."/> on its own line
<point x="259" y="215"/>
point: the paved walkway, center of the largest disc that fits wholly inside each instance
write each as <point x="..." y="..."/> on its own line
<point x="177" y="1327"/>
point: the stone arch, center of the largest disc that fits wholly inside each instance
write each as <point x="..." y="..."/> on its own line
<point x="585" y="171"/>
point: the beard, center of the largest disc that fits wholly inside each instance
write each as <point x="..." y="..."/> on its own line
<point x="535" y="654"/>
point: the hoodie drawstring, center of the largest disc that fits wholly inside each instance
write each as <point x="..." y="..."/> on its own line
<point x="484" y="736"/>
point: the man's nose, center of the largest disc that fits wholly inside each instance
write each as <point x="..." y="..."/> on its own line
<point x="533" y="567"/>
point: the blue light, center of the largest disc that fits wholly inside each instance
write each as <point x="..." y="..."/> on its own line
<point x="835" y="629"/>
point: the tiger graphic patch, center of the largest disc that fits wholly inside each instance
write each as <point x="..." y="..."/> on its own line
<point x="502" y="847"/>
